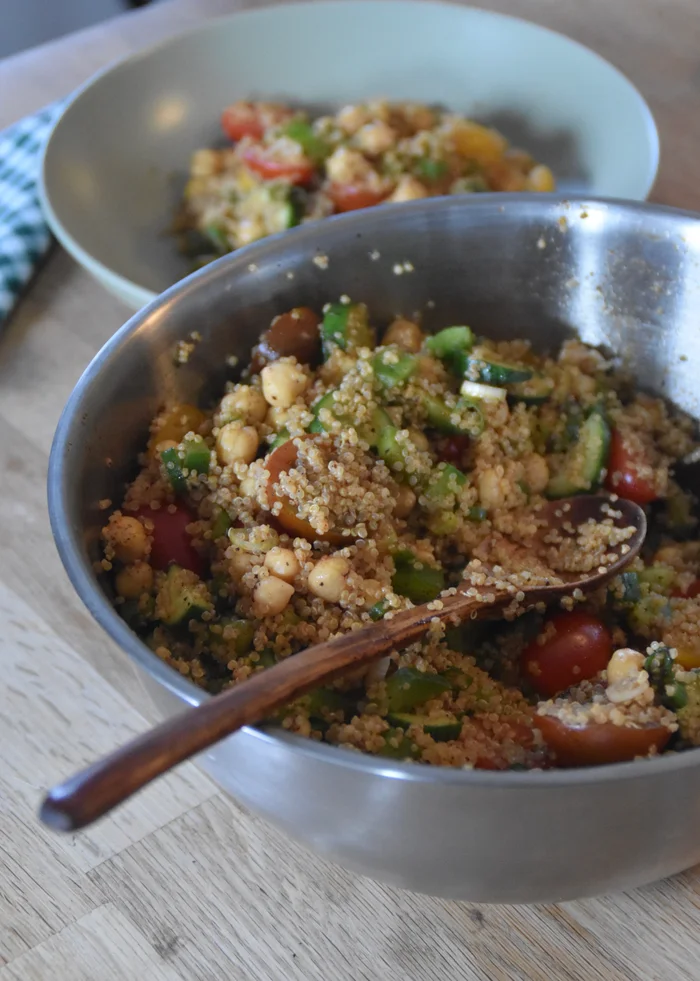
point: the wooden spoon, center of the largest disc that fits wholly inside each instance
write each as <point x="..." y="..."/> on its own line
<point x="95" y="791"/>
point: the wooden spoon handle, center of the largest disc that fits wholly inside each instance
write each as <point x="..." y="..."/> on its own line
<point x="92" y="793"/>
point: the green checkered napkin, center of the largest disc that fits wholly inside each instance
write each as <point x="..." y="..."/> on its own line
<point x="24" y="234"/>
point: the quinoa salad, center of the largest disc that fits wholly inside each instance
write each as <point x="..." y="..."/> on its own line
<point x="352" y="472"/>
<point x="283" y="168"/>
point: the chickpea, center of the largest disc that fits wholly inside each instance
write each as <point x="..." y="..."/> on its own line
<point x="240" y="564"/>
<point x="540" y="178"/>
<point x="349" y="167"/>
<point x="133" y="580"/>
<point x="624" y="665"/>
<point x="375" y="137"/>
<point x="405" y="502"/>
<point x="350" y="118"/>
<point x="127" y="536"/>
<point x="245" y="403"/>
<point x="283" y="383"/>
<point x="405" y="334"/>
<point x="408" y="189"/>
<point x="282" y="563"/>
<point x="327" y="578"/>
<point x="536" y="473"/>
<point x="490" y="488"/>
<point x="271" y="596"/>
<point x="237" y="444"/>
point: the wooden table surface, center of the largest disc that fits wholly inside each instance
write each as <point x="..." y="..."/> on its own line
<point x="181" y="883"/>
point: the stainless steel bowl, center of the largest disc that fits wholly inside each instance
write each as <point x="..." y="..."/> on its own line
<point x="626" y="276"/>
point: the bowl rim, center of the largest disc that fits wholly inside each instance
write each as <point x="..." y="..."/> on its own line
<point x="141" y="295"/>
<point x="81" y="573"/>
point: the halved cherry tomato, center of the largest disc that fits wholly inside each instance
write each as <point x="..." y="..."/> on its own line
<point x="171" y="543"/>
<point x="282" y="459"/>
<point x="251" y="119"/>
<point x="454" y="450"/>
<point x="576" y="646"/>
<point x="352" y="197"/>
<point x="296" y="170"/>
<point x="294" y="333"/>
<point x="690" y="592"/>
<point x="599" y="743"/>
<point x="622" y="478"/>
<point x="181" y="420"/>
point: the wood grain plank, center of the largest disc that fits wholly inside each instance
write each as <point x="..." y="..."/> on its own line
<point x="286" y="914"/>
<point x="101" y="946"/>
<point x="58" y="714"/>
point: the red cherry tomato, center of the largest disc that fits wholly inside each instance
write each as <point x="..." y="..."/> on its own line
<point x="454" y="450"/>
<point x="296" y="170"/>
<point x="622" y="478"/>
<point x="574" y="647"/>
<point x="352" y="197"/>
<point x="171" y="543"/>
<point x="293" y="333"/>
<point x="280" y="460"/>
<point x="691" y="592"/>
<point x="599" y="743"/>
<point x="251" y="119"/>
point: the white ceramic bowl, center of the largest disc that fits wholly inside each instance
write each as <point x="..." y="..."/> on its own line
<point x="116" y="162"/>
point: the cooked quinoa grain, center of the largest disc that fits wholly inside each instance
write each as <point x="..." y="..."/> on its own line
<point x="352" y="473"/>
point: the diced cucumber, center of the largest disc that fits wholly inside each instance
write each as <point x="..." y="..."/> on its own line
<point x="325" y="701"/>
<point x="397" y="746"/>
<point x="265" y="658"/>
<point x="431" y="170"/>
<point x="393" y="452"/>
<point x="192" y="455"/>
<point x="418" y="582"/>
<point x="494" y="372"/>
<point x="535" y="391"/>
<point x="440" y="416"/>
<point x="218" y="238"/>
<point x="445" y="483"/>
<point x="282" y="437"/>
<point x="196" y="455"/>
<point x="584" y="463"/>
<point x="369" y="431"/>
<point x="220" y="525"/>
<point x="449" y="341"/>
<point x="377" y="611"/>
<point x="440" y="727"/>
<point x="629" y="591"/>
<point x="238" y="633"/>
<point x="659" y="578"/>
<point x="477" y="513"/>
<point x="409" y="687"/>
<point x="442" y="523"/>
<point x="327" y="402"/>
<point x="393" y="368"/>
<point x="346" y="325"/>
<point x="182" y="597"/>
<point x="469" y="185"/>
<point x="243" y="540"/>
<point x="483" y="393"/>
<point x="137" y="612"/>
<point x="172" y="465"/>
<point x="302" y="132"/>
